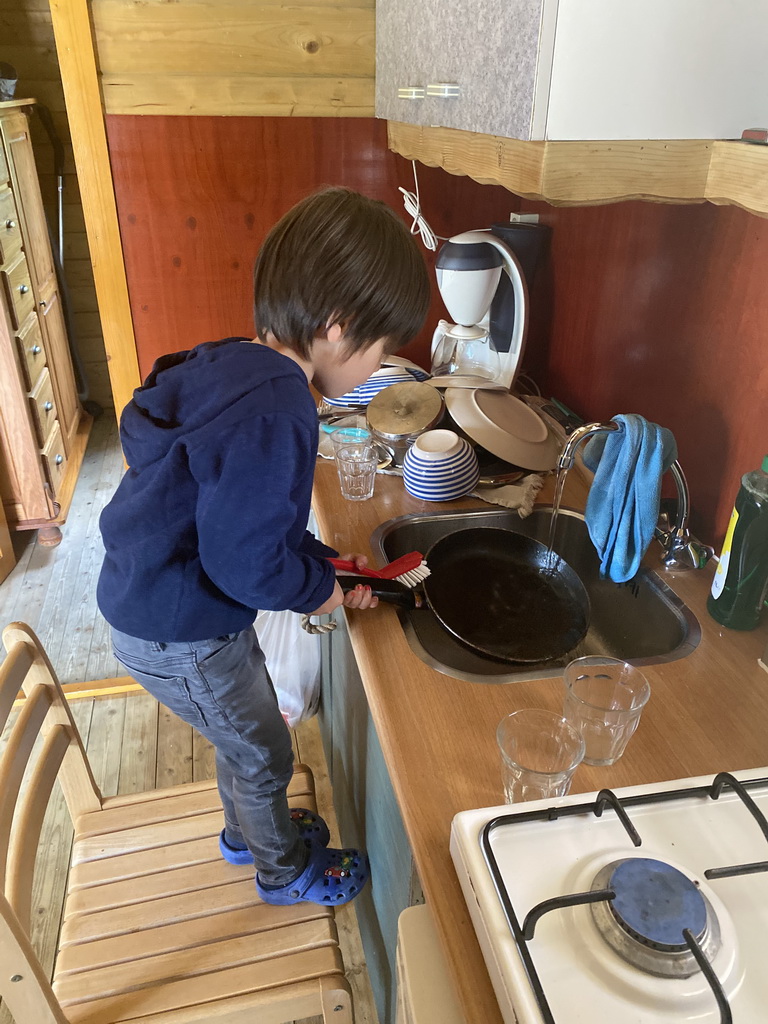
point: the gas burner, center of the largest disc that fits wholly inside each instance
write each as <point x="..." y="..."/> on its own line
<point x="644" y="924"/>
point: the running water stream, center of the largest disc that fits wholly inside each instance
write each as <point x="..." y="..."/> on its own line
<point x="552" y="557"/>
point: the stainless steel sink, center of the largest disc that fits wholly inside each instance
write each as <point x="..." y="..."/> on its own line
<point x="642" y="621"/>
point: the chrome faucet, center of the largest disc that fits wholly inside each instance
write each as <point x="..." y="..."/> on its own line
<point x="680" y="549"/>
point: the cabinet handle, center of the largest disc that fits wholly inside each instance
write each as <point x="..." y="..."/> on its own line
<point x="48" y="406"/>
<point x="23" y="289"/>
<point x="59" y="459"/>
<point x="36" y="350"/>
<point x="10" y="225"/>
<point x="445" y="90"/>
<point x="42" y="304"/>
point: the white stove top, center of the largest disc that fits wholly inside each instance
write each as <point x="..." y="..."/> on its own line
<point x="582" y="979"/>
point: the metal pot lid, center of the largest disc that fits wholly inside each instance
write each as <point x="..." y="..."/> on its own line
<point x="403" y="410"/>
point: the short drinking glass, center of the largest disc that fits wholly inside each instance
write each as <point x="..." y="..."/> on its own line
<point x="604" y="698"/>
<point x="356" y="465"/>
<point x="540" y="752"/>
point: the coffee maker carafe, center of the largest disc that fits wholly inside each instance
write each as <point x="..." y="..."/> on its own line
<point x="484" y="290"/>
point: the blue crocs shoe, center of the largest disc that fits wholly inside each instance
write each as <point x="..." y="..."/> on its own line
<point x="310" y="825"/>
<point x="330" y="877"/>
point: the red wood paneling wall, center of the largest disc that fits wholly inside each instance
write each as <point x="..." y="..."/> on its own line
<point x="196" y="196"/>
<point x="647" y="308"/>
<point x="663" y="310"/>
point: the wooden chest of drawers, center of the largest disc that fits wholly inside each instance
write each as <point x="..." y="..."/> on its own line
<point x="41" y="434"/>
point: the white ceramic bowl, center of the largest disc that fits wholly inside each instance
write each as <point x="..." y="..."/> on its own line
<point x="504" y="426"/>
<point x="440" y="466"/>
<point x="382" y="378"/>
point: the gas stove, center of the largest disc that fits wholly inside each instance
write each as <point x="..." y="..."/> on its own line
<point x="645" y="905"/>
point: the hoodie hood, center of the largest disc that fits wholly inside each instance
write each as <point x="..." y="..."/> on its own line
<point x="188" y="391"/>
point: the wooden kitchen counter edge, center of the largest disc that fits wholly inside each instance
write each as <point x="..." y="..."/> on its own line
<point x="708" y="713"/>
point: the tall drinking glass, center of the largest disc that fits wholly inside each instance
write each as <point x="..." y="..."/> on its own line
<point x="604" y="698"/>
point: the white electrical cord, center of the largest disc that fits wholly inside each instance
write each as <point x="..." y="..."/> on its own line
<point x="419" y="226"/>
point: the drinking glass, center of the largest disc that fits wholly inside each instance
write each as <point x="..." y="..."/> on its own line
<point x="604" y="698"/>
<point x="540" y="751"/>
<point x="351" y="437"/>
<point x="356" y="465"/>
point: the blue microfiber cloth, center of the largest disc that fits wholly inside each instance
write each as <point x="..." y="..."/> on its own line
<point x="623" y="503"/>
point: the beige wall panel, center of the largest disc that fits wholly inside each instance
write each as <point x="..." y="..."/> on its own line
<point x="226" y="38"/>
<point x="246" y="95"/>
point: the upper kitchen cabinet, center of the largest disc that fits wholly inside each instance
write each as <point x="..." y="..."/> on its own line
<point x="574" y="69"/>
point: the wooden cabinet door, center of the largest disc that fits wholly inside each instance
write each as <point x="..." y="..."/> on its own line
<point x="60" y="365"/>
<point x="488" y="49"/>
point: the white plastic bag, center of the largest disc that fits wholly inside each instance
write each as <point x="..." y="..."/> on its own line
<point x="293" y="662"/>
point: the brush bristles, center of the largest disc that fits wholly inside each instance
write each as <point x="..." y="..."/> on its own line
<point x="414" y="576"/>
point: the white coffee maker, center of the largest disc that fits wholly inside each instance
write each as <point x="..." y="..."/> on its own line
<point x="464" y="353"/>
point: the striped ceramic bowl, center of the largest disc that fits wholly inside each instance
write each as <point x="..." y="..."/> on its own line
<point x="440" y="466"/>
<point x="383" y="378"/>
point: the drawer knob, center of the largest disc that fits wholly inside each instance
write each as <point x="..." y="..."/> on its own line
<point x="36" y="350"/>
<point x="23" y="289"/>
<point x="48" y="406"/>
<point x="10" y="224"/>
<point x="59" y="459"/>
<point x="42" y="304"/>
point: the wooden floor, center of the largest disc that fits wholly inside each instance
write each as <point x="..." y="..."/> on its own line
<point x="133" y="743"/>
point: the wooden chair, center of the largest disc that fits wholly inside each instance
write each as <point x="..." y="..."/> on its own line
<point x="158" y="928"/>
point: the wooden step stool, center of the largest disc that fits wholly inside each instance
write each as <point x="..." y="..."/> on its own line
<point x="158" y="928"/>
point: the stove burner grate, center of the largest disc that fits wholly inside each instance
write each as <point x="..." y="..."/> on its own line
<point x="646" y="921"/>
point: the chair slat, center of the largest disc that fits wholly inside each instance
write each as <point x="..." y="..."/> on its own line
<point x="158" y="937"/>
<point x="182" y="907"/>
<point x="13" y="672"/>
<point x="208" y="958"/>
<point x="14" y="762"/>
<point x="265" y="1006"/>
<point x="165" y="883"/>
<point x="26" y="832"/>
<point x="77" y="782"/>
<point x="31" y="998"/>
<point x="85" y="1002"/>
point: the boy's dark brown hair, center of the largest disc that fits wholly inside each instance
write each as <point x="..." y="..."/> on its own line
<point x="340" y="257"/>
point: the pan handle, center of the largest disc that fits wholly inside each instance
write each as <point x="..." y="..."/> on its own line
<point x="389" y="591"/>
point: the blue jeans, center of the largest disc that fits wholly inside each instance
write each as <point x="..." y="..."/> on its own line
<point x="222" y="688"/>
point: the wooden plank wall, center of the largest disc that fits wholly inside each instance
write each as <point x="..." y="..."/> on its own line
<point x="247" y="57"/>
<point x="26" y="42"/>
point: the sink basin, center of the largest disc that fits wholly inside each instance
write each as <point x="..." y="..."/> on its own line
<point x="642" y="621"/>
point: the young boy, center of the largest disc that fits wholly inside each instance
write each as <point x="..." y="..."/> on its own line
<point x="209" y="522"/>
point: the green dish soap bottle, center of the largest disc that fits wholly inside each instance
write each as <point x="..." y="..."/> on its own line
<point x="741" y="581"/>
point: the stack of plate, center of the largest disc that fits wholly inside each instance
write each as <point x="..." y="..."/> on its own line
<point x="504" y="426"/>
<point x="383" y="378"/>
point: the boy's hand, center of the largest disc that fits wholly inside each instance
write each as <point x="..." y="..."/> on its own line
<point x="361" y="561"/>
<point x="361" y="597"/>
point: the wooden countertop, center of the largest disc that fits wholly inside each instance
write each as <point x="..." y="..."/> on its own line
<point x="707" y="713"/>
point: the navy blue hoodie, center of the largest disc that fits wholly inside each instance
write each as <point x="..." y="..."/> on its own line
<point x="209" y="522"/>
